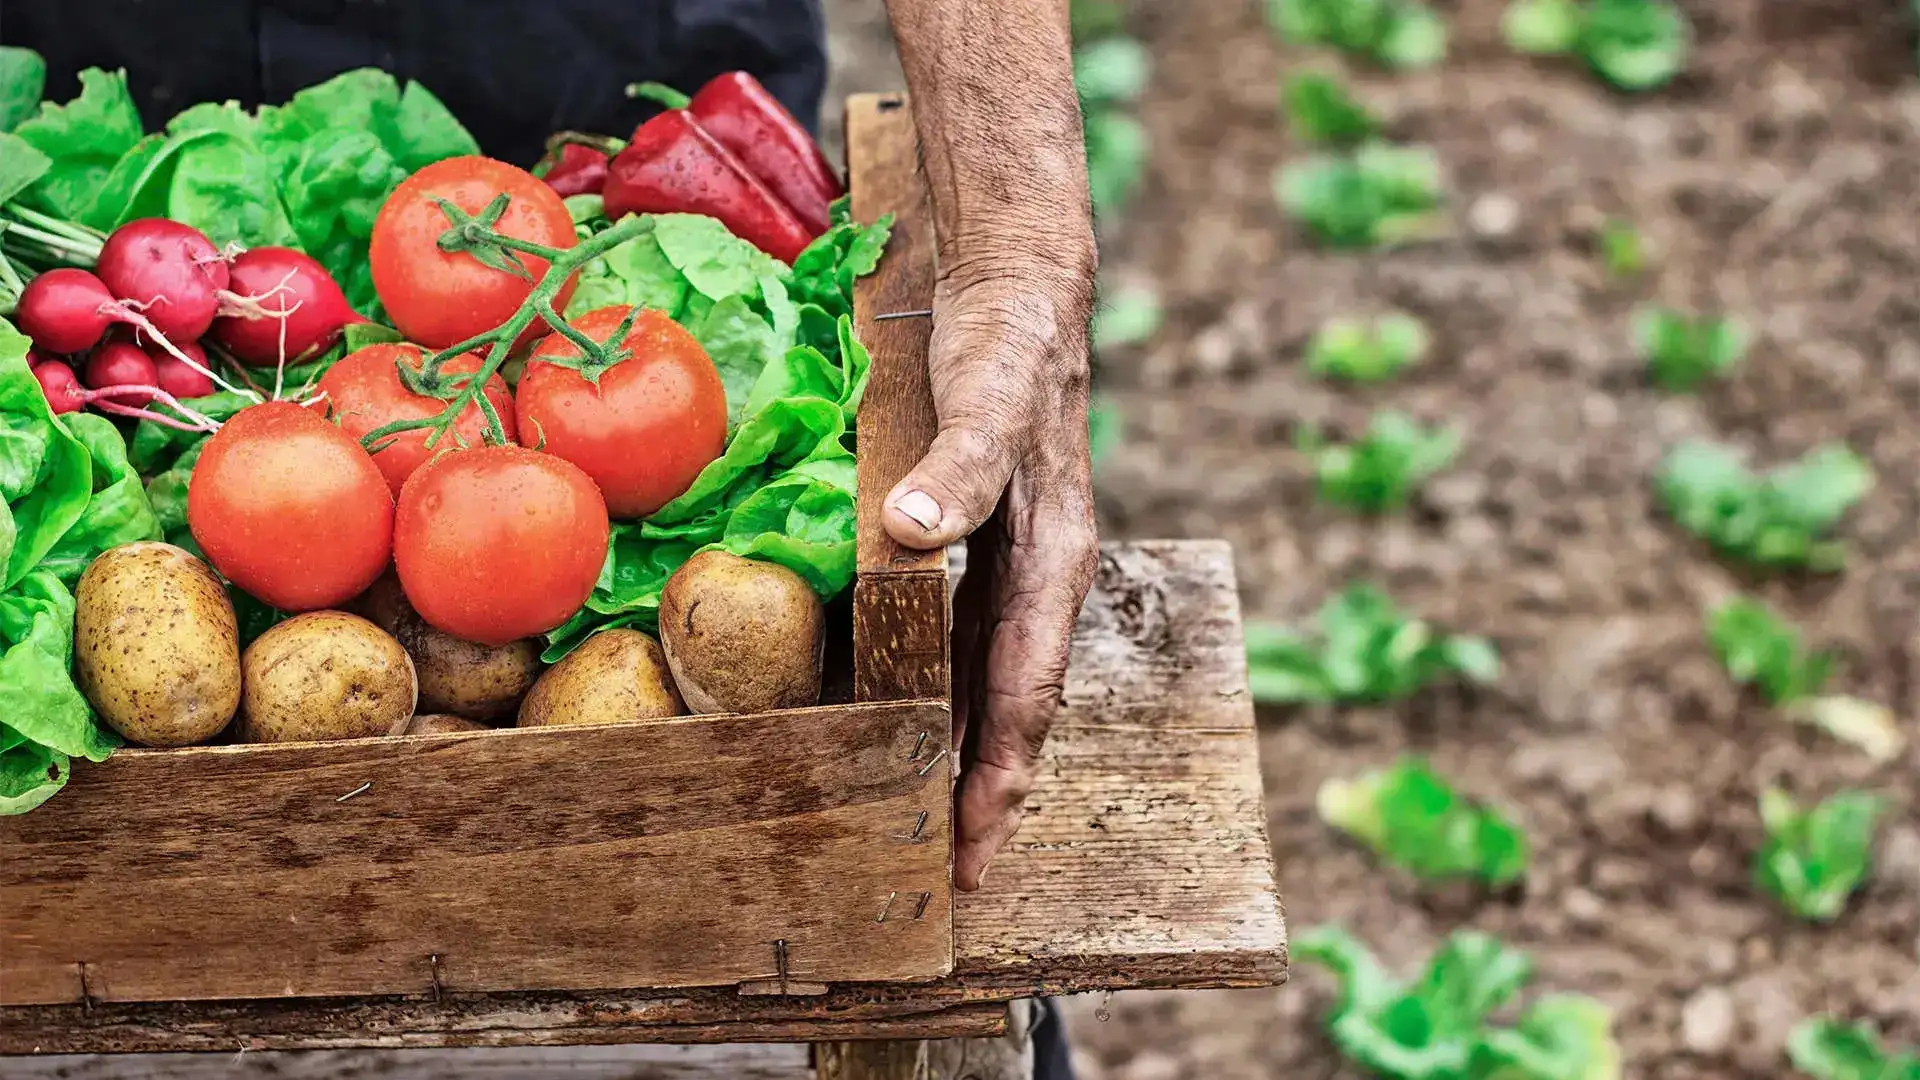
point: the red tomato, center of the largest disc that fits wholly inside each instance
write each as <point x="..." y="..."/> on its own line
<point x="364" y="392"/>
<point x="646" y="430"/>
<point x="290" y="508"/>
<point x="438" y="298"/>
<point x="498" y="543"/>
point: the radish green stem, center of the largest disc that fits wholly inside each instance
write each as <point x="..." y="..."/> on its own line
<point x="51" y="241"/>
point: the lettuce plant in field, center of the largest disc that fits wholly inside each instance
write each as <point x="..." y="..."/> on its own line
<point x="1437" y="1025"/>
<point x="1364" y="649"/>
<point x="1826" y="1049"/>
<point x="1683" y="351"/>
<point x="1375" y="196"/>
<point x="1380" y="470"/>
<point x="1413" y="819"/>
<point x="1367" y="351"/>
<point x="1779" y="519"/>
<point x="1321" y="109"/>
<point x="1815" y="858"/>
<point x="1632" y="44"/>
<point x="1400" y="34"/>
<point x="1760" y="649"/>
<point x="1110" y="73"/>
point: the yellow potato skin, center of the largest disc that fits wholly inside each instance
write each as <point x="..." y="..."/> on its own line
<point x="456" y="676"/>
<point x="325" y="675"/>
<point x="441" y="724"/>
<point x="742" y="636"/>
<point x="614" y="675"/>
<point x="156" y="647"/>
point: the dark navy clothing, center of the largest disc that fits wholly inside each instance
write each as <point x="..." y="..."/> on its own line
<point x="513" y="71"/>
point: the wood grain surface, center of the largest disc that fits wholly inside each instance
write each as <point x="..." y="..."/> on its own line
<point x="897" y="421"/>
<point x="1143" y="863"/>
<point x="637" y="1062"/>
<point x="700" y="851"/>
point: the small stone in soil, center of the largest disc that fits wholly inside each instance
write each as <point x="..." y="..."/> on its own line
<point x="1707" y="1022"/>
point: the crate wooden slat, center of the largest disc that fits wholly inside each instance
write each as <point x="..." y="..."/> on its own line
<point x="1143" y="863"/>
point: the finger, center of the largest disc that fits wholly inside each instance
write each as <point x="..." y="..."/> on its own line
<point x="1049" y="568"/>
<point x="956" y="486"/>
<point x="972" y="619"/>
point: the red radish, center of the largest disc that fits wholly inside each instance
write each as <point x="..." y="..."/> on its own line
<point x="120" y="363"/>
<point x="171" y="272"/>
<point x="179" y="378"/>
<point x="35" y="358"/>
<point x="282" y="304"/>
<point x="65" y="310"/>
<point x="61" y="386"/>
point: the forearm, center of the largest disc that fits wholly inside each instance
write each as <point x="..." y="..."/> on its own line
<point x="1000" y="131"/>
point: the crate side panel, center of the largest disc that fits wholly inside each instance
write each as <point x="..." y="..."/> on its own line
<point x="634" y="855"/>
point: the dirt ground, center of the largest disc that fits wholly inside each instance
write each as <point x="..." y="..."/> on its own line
<point x="1779" y="180"/>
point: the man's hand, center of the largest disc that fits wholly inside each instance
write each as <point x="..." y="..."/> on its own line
<point x="999" y="123"/>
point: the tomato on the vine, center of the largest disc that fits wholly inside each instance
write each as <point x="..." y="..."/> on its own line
<point x="646" y="428"/>
<point x="441" y="298"/>
<point x="498" y="543"/>
<point x="364" y="393"/>
<point x="290" y="508"/>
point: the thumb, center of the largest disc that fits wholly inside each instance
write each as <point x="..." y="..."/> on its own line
<point x="957" y="485"/>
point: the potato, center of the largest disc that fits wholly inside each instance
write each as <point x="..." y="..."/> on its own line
<point x="325" y="675"/>
<point x="156" y="648"/>
<point x="456" y="676"/>
<point x="741" y="636"/>
<point x="441" y="724"/>
<point x="614" y="675"/>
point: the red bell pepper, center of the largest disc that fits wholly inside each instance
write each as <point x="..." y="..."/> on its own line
<point x="581" y="170"/>
<point x="673" y="166"/>
<point x="774" y="146"/>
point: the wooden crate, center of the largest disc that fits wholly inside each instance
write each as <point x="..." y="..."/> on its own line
<point x="776" y="852"/>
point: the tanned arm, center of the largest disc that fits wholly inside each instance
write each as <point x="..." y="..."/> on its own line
<point x="1000" y="132"/>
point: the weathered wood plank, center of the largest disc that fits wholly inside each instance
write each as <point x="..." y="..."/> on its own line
<point x="639" y="1062"/>
<point x="901" y="624"/>
<point x="1008" y="1057"/>
<point x="664" y="854"/>
<point x="1143" y="863"/>
<point x="897" y="419"/>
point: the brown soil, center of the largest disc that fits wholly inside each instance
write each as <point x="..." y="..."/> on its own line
<point x="1778" y="180"/>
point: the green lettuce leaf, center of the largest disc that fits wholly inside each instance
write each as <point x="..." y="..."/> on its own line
<point x="20" y="165"/>
<point x="118" y="513"/>
<point x="1413" y="818"/>
<point x="23" y="78"/>
<point x="83" y="138"/>
<point x="45" y="478"/>
<point x="46" y="720"/>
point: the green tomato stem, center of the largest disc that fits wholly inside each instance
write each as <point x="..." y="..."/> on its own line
<point x="561" y="265"/>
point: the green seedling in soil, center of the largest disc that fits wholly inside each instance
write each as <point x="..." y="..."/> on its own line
<point x="1375" y="196"/>
<point x="1380" y="470"/>
<point x="1321" y="109"/>
<point x="1682" y="351"/>
<point x="1365" y="649"/>
<point x="1104" y="428"/>
<point x="1437" y="1026"/>
<point x="1398" y="34"/>
<point x="1760" y="649"/>
<point x="1413" y="819"/>
<point x="1826" y="1049"/>
<point x="1814" y="859"/>
<point x="1111" y="73"/>
<point x="1367" y="351"/>
<point x="1779" y="520"/>
<point x="1622" y="251"/>
<point x="1633" y="44"/>
<point x="1126" y="317"/>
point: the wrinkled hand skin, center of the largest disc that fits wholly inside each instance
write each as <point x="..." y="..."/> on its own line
<point x="1010" y="470"/>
